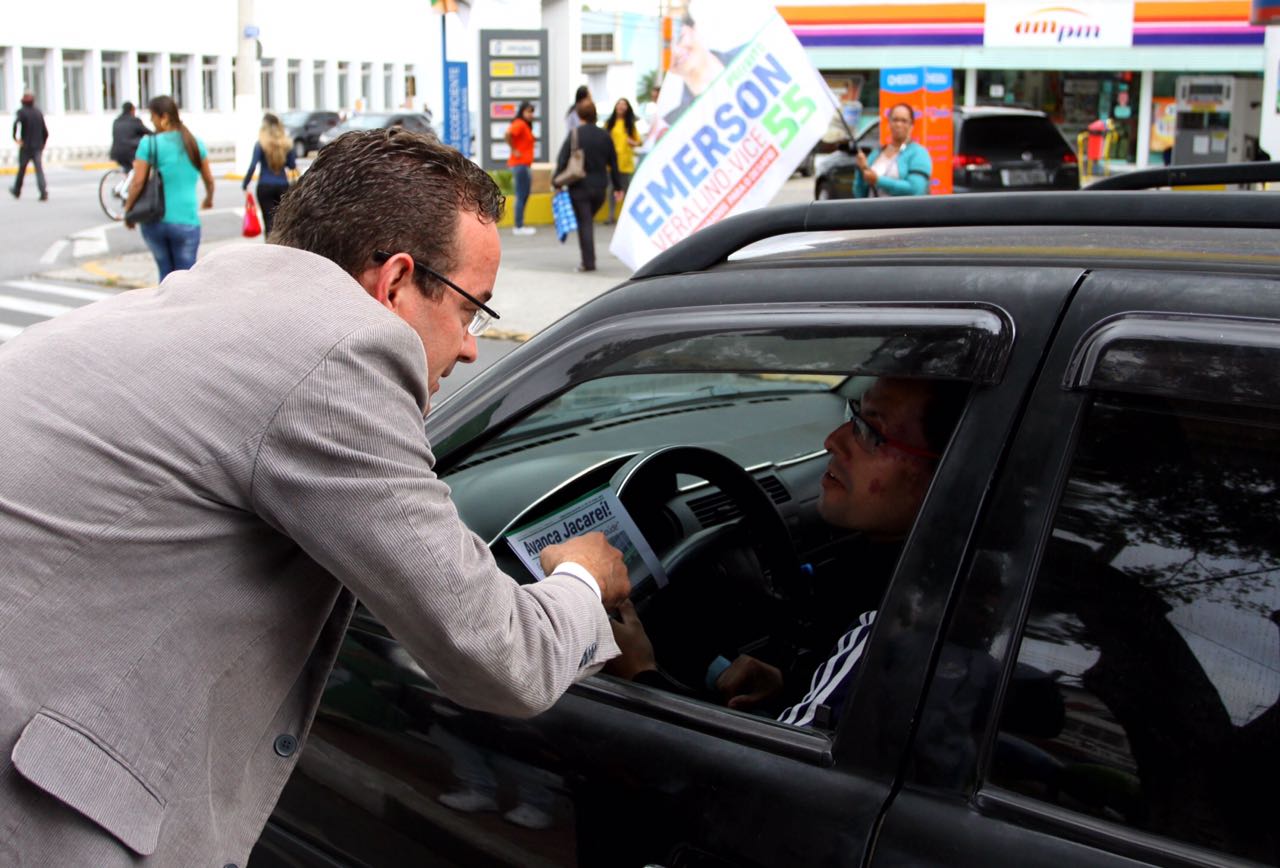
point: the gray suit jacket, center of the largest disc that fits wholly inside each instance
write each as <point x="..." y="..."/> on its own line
<point x="196" y="481"/>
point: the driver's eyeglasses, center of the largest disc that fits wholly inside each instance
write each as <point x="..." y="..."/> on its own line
<point x="480" y="320"/>
<point x="871" y="439"/>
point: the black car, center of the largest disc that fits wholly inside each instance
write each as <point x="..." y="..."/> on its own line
<point x="995" y="149"/>
<point x="1075" y="660"/>
<point x="305" y="128"/>
<point x="419" y="122"/>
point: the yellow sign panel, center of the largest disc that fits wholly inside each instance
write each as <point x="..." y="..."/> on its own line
<point x="502" y="69"/>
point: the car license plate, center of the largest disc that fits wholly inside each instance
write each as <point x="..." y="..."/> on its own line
<point x="1023" y="177"/>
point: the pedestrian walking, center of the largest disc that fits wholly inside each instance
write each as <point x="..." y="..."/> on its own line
<point x="274" y="153"/>
<point x="571" y="118"/>
<point x="621" y="127"/>
<point x="31" y="134"/>
<point x="601" y="164"/>
<point x="127" y="130"/>
<point x="520" y="137"/>
<point x="181" y="159"/>
<point x="201" y="479"/>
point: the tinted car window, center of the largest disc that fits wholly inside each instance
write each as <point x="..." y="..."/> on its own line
<point x="1157" y="609"/>
<point x="985" y="134"/>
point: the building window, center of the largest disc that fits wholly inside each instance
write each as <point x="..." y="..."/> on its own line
<point x="317" y="75"/>
<point x="178" y="79"/>
<point x="410" y="85"/>
<point x="73" y="81"/>
<point x="33" y="74"/>
<point x="597" y="42"/>
<point x="146" y="76"/>
<point x="111" y="62"/>
<point x="366" y="84"/>
<point x="388" y="98"/>
<point x="292" y="99"/>
<point x="4" y="78"/>
<point x="266" y="82"/>
<point x="209" y="79"/>
<point x="343" y="85"/>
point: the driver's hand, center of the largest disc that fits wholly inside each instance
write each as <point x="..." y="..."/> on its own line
<point x="748" y="682"/>
<point x="602" y="560"/>
<point x="637" y="650"/>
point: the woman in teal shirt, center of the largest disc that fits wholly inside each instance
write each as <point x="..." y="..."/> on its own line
<point x="901" y="168"/>
<point x="180" y="158"/>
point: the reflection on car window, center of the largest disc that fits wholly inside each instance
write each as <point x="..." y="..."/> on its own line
<point x="622" y="396"/>
<point x="1157" y="607"/>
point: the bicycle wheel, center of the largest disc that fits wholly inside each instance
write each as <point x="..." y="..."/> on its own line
<point x="111" y="193"/>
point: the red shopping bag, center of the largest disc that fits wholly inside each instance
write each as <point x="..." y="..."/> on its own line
<point x="252" y="226"/>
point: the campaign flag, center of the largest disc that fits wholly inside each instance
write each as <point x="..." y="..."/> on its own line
<point x="739" y="110"/>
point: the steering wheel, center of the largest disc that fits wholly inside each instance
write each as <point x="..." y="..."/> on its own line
<point x="727" y="583"/>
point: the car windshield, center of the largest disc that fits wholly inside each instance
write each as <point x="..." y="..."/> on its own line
<point x="621" y="397"/>
<point x="294" y="119"/>
<point x="367" y="122"/>
<point x="993" y="134"/>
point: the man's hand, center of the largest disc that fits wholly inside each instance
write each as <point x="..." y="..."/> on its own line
<point x="129" y="224"/>
<point x="602" y="560"/>
<point x="637" y="650"/>
<point x="748" y="682"/>
<point x="207" y="203"/>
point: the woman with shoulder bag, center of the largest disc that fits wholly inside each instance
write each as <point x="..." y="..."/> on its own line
<point x="274" y="152"/>
<point x="600" y="163"/>
<point x="179" y="158"/>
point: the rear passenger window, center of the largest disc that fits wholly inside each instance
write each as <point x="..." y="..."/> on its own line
<point x="1157" y="612"/>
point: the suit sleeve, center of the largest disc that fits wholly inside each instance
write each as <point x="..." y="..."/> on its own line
<point x="345" y="470"/>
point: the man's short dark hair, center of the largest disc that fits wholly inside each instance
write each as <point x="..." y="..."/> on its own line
<point x="127" y="108"/>
<point x="385" y="189"/>
<point x="587" y="112"/>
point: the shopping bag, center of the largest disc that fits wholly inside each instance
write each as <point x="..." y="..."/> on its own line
<point x="566" y="220"/>
<point x="252" y="226"/>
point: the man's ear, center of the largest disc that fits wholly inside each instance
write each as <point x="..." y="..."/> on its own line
<point x="388" y="282"/>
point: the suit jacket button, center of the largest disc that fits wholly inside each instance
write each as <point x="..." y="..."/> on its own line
<point x="285" y="745"/>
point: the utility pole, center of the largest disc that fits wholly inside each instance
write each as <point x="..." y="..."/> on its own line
<point x="248" y="103"/>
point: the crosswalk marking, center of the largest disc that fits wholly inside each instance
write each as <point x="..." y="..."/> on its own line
<point x="40" y="300"/>
<point x="58" y="289"/>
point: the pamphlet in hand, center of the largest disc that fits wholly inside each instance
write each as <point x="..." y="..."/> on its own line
<point x="598" y="511"/>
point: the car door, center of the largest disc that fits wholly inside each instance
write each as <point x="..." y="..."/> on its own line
<point x="1107" y="690"/>
<point x="619" y="773"/>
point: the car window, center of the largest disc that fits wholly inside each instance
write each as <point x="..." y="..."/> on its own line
<point x="774" y="578"/>
<point x="1154" y="626"/>
<point x="1009" y="133"/>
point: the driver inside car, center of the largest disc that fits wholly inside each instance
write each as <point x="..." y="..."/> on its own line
<point x="882" y="463"/>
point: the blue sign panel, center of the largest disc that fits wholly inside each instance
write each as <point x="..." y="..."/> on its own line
<point x="457" y="120"/>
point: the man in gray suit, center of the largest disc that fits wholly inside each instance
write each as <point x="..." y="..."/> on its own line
<point x="200" y="480"/>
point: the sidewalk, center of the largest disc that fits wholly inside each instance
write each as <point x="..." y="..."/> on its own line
<point x="536" y="283"/>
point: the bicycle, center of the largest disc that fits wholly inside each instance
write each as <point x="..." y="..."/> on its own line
<point x="113" y="192"/>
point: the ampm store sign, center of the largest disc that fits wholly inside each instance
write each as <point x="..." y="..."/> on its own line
<point x="1079" y="24"/>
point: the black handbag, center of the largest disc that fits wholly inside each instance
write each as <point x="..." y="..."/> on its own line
<point x="149" y="206"/>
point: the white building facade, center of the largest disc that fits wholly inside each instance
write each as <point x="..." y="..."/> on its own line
<point x="83" y="60"/>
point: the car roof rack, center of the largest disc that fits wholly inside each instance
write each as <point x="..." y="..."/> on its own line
<point x="716" y="243"/>
<point x="1184" y="176"/>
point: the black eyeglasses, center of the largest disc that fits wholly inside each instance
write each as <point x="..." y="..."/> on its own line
<point x="871" y="437"/>
<point x="480" y="320"/>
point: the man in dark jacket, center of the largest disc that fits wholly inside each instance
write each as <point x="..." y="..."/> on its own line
<point x="31" y="134"/>
<point x="126" y="131"/>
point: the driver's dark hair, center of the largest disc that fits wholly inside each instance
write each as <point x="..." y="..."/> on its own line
<point x="386" y="189"/>
<point x="947" y="399"/>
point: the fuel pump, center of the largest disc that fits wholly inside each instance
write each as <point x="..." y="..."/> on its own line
<point x="1218" y="118"/>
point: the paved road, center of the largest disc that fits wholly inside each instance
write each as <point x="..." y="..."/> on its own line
<point x="71" y="226"/>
